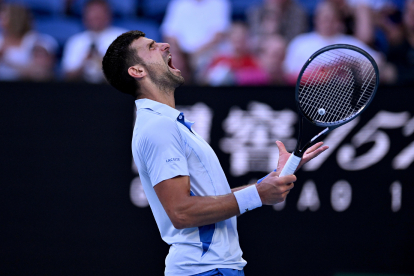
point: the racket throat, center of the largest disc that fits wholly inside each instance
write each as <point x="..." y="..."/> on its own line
<point x="299" y="151"/>
<point x="320" y="135"/>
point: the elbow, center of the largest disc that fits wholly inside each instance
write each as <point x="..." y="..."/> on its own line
<point x="178" y="226"/>
<point x="180" y="220"/>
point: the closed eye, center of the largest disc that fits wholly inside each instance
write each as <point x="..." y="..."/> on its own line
<point x="151" y="45"/>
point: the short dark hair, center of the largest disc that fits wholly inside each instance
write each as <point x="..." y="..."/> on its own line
<point x="118" y="58"/>
<point x="98" y="2"/>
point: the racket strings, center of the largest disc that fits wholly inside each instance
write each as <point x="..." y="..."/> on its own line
<point x="317" y="87"/>
<point x="336" y="85"/>
<point x="321" y="99"/>
<point x="316" y="83"/>
<point x="351" y="91"/>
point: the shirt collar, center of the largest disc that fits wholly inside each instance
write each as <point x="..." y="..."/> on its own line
<point x="158" y="107"/>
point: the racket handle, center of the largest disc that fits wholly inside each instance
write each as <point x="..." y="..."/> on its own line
<point x="291" y="165"/>
<point x="289" y="168"/>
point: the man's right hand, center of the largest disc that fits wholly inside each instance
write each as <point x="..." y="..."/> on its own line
<point x="274" y="189"/>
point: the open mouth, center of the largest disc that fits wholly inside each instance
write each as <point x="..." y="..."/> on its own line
<point x="170" y="64"/>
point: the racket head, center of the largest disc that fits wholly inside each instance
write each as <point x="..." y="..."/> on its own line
<point x="336" y="84"/>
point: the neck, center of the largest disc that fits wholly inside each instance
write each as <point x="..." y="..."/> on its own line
<point x="327" y="34"/>
<point x="155" y="94"/>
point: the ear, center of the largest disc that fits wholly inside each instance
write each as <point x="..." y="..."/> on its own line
<point x="137" y="71"/>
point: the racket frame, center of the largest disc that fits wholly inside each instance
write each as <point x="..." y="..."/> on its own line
<point x="295" y="158"/>
<point x="300" y="150"/>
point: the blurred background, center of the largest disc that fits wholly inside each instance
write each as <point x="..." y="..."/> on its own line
<point x="70" y="196"/>
<point x="221" y="42"/>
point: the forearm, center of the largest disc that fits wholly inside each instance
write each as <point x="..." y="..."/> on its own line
<point x="240" y="188"/>
<point x="203" y="210"/>
<point x="187" y="211"/>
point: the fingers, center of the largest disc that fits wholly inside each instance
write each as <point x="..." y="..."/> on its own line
<point x="312" y="152"/>
<point x="314" y="147"/>
<point x="282" y="180"/>
<point x="285" y="194"/>
<point x="286" y="180"/>
<point x="281" y="147"/>
<point x="274" y="189"/>
<point x="285" y="189"/>
<point x="315" y="150"/>
<point x="315" y="153"/>
<point x="274" y="173"/>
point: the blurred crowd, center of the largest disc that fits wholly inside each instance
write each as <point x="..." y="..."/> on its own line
<point x="263" y="42"/>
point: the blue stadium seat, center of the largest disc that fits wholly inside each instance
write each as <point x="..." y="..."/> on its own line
<point x="399" y="4"/>
<point x="149" y="27"/>
<point x="120" y="8"/>
<point x="239" y="7"/>
<point x="42" y="7"/>
<point x="155" y="8"/>
<point x="60" y="28"/>
<point x="309" y="5"/>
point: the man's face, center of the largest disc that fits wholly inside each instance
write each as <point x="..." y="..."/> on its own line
<point x="238" y="39"/>
<point x="326" y="20"/>
<point x="272" y="54"/>
<point x="157" y="60"/>
<point x="96" y="17"/>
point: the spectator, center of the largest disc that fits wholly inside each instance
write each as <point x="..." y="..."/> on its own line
<point x="83" y="53"/>
<point x="389" y="22"/>
<point x="284" y="17"/>
<point x="42" y="65"/>
<point x="196" y="27"/>
<point x="402" y="54"/>
<point x="328" y="30"/>
<point x="18" y="44"/>
<point x="239" y="67"/>
<point x="358" y="18"/>
<point x="271" y="56"/>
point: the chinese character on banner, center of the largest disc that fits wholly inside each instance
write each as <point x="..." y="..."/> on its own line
<point x="251" y="136"/>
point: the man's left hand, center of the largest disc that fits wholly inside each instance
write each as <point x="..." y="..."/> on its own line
<point x="309" y="154"/>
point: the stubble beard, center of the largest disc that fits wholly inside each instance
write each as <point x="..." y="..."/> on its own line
<point x="165" y="81"/>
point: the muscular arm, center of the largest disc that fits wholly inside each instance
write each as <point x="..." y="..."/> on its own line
<point x="187" y="211"/>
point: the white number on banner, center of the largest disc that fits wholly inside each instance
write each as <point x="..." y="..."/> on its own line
<point x="396" y="191"/>
<point x="341" y="195"/>
<point x="333" y="140"/>
<point x="308" y="198"/>
<point x="406" y="157"/>
<point x="347" y="158"/>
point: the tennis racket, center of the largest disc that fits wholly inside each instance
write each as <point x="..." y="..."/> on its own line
<point x="336" y="84"/>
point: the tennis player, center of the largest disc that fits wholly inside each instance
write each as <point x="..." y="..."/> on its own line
<point x="189" y="195"/>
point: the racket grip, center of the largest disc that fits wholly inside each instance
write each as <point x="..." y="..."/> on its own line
<point x="291" y="165"/>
